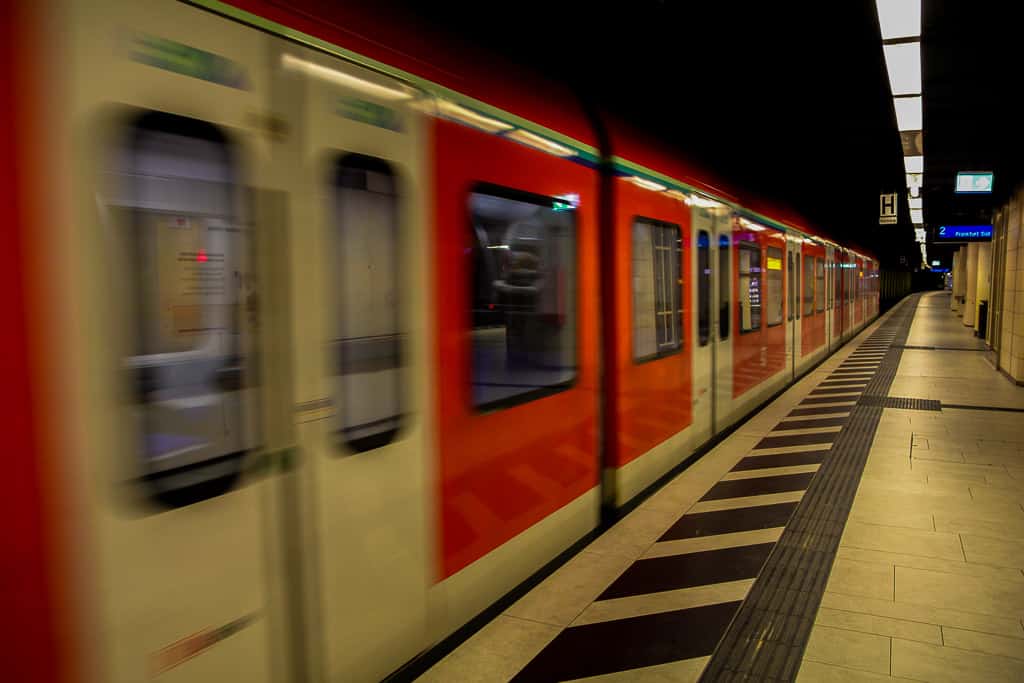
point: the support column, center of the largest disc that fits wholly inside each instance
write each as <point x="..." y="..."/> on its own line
<point x="984" y="282"/>
<point x="971" y="283"/>
<point x="953" y="272"/>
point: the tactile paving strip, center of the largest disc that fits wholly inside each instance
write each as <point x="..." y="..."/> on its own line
<point x="767" y="637"/>
<point x="900" y="402"/>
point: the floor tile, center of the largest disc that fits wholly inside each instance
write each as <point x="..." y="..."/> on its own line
<point x="685" y="671"/>
<point x="496" y="653"/>
<point x="817" y="672"/>
<point x="866" y="579"/>
<point x="957" y="566"/>
<point x="934" y="663"/>
<point x="969" y="594"/>
<point x="901" y="540"/>
<point x="997" y="551"/>
<point x="883" y="626"/>
<point x="850" y="649"/>
<point x="562" y="596"/>
<point x="982" y="642"/>
<point x="665" y="601"/>
<point x="1004" y="626"/>
<point x="713" y="542"/>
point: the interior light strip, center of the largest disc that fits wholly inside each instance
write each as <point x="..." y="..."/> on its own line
<point x="384" y="92"/>
<point x="537" y="142"/>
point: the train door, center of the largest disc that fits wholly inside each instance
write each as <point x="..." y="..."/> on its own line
<point x="712" y="363"/>
<point x="703" y="226"/>
<point x="829" y="286"/>
<point x="159" y="263"/>
<point x="722" y="323"/>
<point x="353" y="164"/>
<point x="793" y="290"/>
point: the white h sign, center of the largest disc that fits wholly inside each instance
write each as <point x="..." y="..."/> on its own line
<point x="887" y="209"/>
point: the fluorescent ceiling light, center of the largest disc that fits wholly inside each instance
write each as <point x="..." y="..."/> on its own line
<point x="750" y="225"/>
<point x="348" y="80"/>
<point x="468" y="116"/>
<point x="703" y="202"/>
<point x="647" y="184"/>
<point x="899" y="18"/>
<point x="903" y="61"/>
<point x="908" y="113"/>
<point x="914" y="164"/>
<point x="916" y="203"/>
<point x="917" y="216"/>
<point x="678" y="194"/>
<point x="537" y="142"/>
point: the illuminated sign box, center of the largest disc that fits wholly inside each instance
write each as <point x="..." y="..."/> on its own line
<point x="974" y="182"/>
<point x="964" y="232"/>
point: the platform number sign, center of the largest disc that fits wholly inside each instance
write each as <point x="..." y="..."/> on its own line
<point x="887" y="209"/>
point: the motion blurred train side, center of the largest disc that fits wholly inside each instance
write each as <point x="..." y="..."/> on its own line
<point x="324" y="341"/>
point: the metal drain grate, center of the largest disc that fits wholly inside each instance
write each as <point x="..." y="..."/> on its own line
<point x="900" y="402"/>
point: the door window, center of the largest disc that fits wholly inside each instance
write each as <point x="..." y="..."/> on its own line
<point x="523" y="309"/>
<point x="366" y="342"/>
<point x="657" y="289"/>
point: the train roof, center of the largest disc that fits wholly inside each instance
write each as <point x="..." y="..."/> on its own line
<point x="489" y="86"/>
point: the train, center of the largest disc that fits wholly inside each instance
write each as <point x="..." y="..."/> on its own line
<point x="326" y="339"/>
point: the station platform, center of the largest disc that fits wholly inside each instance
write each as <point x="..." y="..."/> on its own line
<point x="866" y="525"/>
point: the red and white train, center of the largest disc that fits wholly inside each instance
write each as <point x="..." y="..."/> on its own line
<point x="321" y="340"/>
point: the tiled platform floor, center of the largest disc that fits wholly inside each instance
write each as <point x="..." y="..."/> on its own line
<point x="927" y="583"/>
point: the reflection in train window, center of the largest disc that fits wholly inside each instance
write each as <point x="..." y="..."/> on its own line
<point x="724" y="286"/>
<point x="365" y="343"/>
<point x="774" y="287"/>
<point x="657" y="289"/>
<point x="703" y="287"/>
<point x="524" y="296"/>
<point x="808" y="275"/>
<point x="749" y="286"/>
<point x="192" y="303"/>
<point x="819" y="287"/>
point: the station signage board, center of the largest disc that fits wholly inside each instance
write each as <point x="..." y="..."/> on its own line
<point x="974" y="182"/>
<point x="964" y="232"/>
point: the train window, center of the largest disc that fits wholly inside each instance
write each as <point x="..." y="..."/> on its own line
<point x="819" y="285"/>
<point x="790" y="286"/>
<point x="774" y="286"/>
<point x="749" y="286"/>
<point x="524" y="296"/>
<point x="365" y="343"/>
<point x="808" y="277"/>
<point x="703" y="287"/>
<point x="191" y="297"/>
<point x="724" y="287"/>
<point x="657" y="289"/>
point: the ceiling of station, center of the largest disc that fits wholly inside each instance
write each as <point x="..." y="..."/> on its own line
<point x="791" y="100"/>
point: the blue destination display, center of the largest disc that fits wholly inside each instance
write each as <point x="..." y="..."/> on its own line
<point x="965" y="232"/>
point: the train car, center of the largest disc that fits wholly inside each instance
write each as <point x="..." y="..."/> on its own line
<point x="326" y="339"/>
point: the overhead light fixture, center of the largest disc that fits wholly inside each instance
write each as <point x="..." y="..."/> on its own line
<point x="647" y="184"/>
<point x="537" y="142"/>
<point x="470" y="117"/>
<point x="920" y="235"/>
<point x="678" y="194"/>
<point x="903" y="62"/>
<point x="750" y="225"/>
<point x="908" y="113"/>
<point x="899" y="18"/>
<point x="916" y="202"/>
<point x="914" y="164"/>
<point x="345" y="79"/>
<point x="917" y="216"/>
<point x="703" y="202"/>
